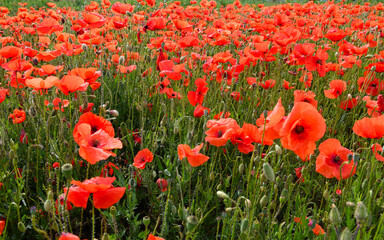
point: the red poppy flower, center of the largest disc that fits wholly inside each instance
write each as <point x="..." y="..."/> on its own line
<point x="142" y="157"/>
<point x="317" y="230"/>
<point x="92" y="20"/>
<point x="335" y="34"/>
<point x="60" y="201"/>
<point x="337" y="88"/>
<point x="331" y="158"/>
<point x="317" y="62"/>
<point x="375" y="149"/>
<point x="220" y="131"/>
<point x="104" y="194"/>
<point x="302" y="128"/>
<point x="162" y="184"/>
<point x="2" y="226"/>
<point x="96" y="146"/>
<point x="299" y="174"/>
<point x="369" y="127"/>
<point x="305" y="96"/>
<point x="49" y="25"/>
<point x="122" y="8"/>
<point x="96" y="123"/>
<point x="199" y="111"/>
<point x="193" y="156"/>
<point x="152" y="237"/>
<point x="3" y="94"/>
<point x="18" y="116"/>
<point x="69" y="84"/>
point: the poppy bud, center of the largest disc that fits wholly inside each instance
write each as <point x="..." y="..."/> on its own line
<point x="146" y="221"/>
<point x="346" y="234"/>
<point x="11" y="154"/>
<point x="283" y="195"/>
<point x="84" y="47"/>
<point x="264" y="201"/>
<point x="55" y="226"/>
<point x="356" y="158"/>
<point x="32" y="112"/>
<point x="268" y="172"/>
<point x="350" y="204"/>
<point x="35" y="61"/>
<point x="334" y="216"/>
<point x="219" y="186"/>
<point x="21" y="227"/>
<point x="105" y="236"/>
<point x="278" y="150"/>
<point x="121" y="59"/>
<point x="241" y="168"/>
<point x="192" y="222"/>
<point x="326" y="194"/>
<point x="222" y="195"/>
<point x="265" y="113"/>
<point x="361" y="213"/>
<point x="114" y="113"/>
<point x="244" y="225"/>
<point x="48" y="205"/>
<point x="212" y="176"/>
<point x="67" y="171"/>
<point x="228" y="210"/>
<point x="248" y="203"/>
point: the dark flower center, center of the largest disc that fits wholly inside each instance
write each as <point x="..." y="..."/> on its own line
<point x="299" y="129"/>
<point x="336" y="159"/>
<point x="219" y="134"/>
<point x="94" y="129"/>
<point x="95" y="143"/>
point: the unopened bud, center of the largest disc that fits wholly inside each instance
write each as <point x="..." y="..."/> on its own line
<point x="241" y="168"/>
<point x="284" y="195"/>
<point x="244" y="225"/>
<point x="361" y="213"/>
<point x="326" y="194"/>
<point x="114" y="113"/>
<point x="105" y="236"/>
<point x="192" y="222"/>
<point x="278" y="150"/>
<point x="346" y="234"/>
<point x="350" y="204"/>
<point x="264" y="201"/>
<point x="334" y="216"/>
<point x="248" y="203"/>
<point x="268" y="172"/>
<point x="48" y="205"/>
<point x="21" y="226"/>
<point x="222" y="195"/>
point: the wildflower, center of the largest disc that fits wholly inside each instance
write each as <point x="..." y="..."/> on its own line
<point x="332" y="157"/>
<point x="142" y="157"/>
<point x="302" y="128"/>
<point x="104" y="194"/>
<point x="18" y="116"/>
<point x="193" y="156"/>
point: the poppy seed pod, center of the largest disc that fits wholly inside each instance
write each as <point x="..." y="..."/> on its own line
<point x="146" y="221"/>
<point x="67" y="171"/>
<point x="113" y="210"/>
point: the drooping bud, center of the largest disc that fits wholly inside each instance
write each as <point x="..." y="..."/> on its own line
<point x="278" y="150"/>
<point x="222" y="195"/>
